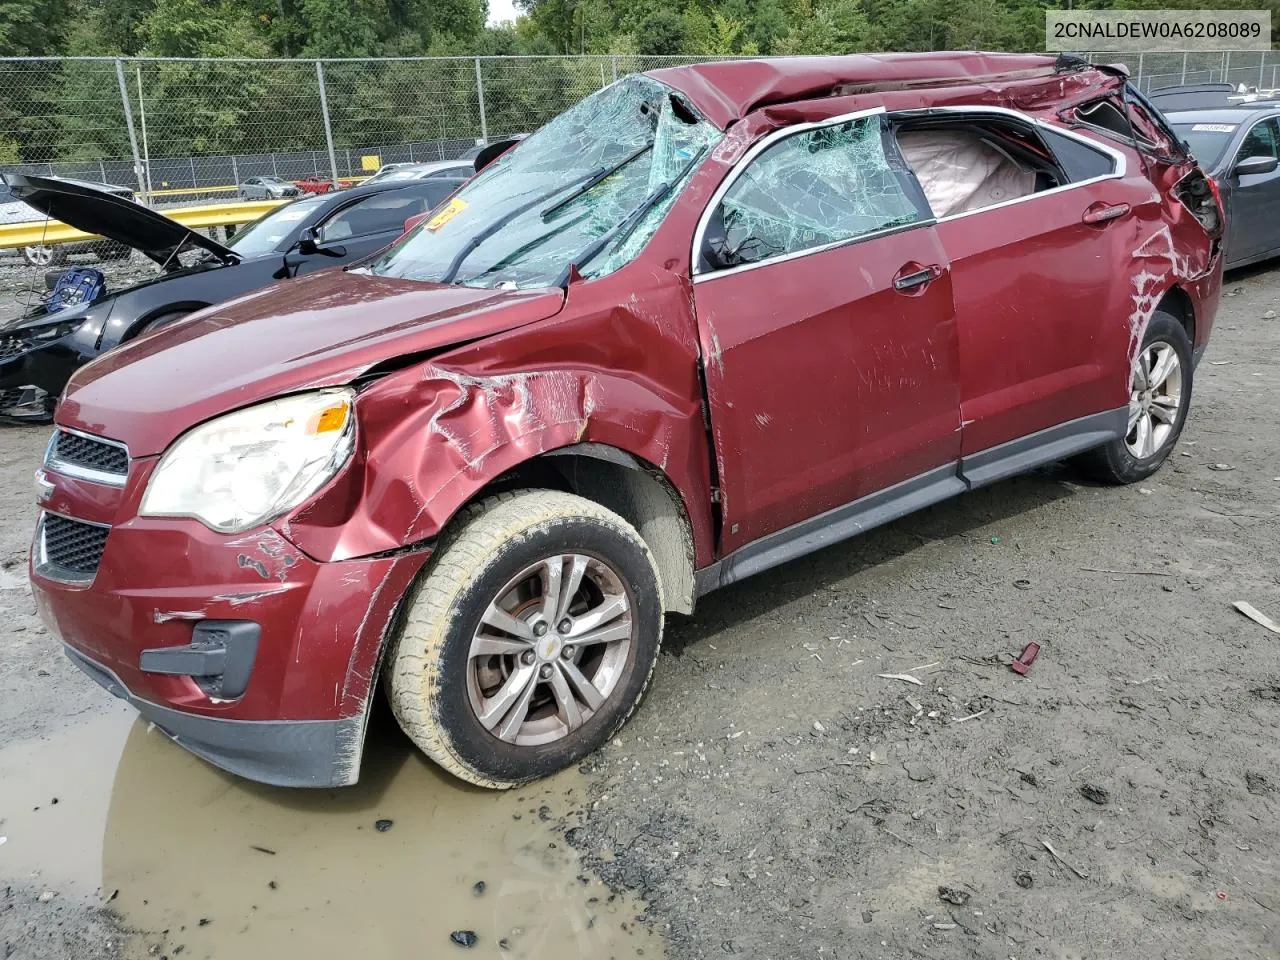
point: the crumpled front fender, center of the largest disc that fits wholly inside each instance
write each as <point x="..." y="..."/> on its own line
<point x="432" y="438"/>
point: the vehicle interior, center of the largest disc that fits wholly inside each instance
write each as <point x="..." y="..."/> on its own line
<point x="968" y="163"/>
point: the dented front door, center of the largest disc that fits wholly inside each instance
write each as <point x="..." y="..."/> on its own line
<point x="824" y="310"/>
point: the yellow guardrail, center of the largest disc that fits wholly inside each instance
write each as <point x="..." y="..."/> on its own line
<point x="49" y="232"/>
<point x="231" y="188"/>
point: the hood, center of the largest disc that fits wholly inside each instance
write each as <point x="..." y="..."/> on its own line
<point x="116" y="218"/>
<point x="316" y="331"/>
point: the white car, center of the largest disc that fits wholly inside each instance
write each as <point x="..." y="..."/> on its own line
<point x="451" y="169"/>
<point x="42" y="255"/>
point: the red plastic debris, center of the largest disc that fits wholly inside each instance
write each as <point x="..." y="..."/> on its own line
<point x="1026" y="659"/>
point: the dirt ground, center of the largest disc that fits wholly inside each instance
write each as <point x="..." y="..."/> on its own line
<point x="775" y="797"/>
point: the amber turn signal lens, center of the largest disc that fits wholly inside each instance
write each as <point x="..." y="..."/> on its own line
<point x="330" y="420"/>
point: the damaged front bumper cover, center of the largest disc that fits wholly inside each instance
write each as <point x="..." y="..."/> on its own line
<point x="283" y="753"/>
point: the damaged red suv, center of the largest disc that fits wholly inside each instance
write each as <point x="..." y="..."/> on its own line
<point x="707" y="320"/>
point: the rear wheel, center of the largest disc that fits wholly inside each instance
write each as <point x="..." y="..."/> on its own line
<point x="1159" y="396"/>
<point x="529" y="641"/>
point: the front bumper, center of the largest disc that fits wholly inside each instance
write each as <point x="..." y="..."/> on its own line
<point x="283" y="753"/>
<point x="300" y="716"/>
<point x="47" y="365"/>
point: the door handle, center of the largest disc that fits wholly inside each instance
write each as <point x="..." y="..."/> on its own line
<point x="1100" y="213"/>
<point x="913" y="276"/>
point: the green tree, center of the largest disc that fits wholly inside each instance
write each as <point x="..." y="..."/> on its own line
<point x="660" y="33"/>
<point x="203" y="28"/>
<point x="32" y="28"/>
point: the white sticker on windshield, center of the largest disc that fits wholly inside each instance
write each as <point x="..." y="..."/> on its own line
<point x="289" y="214"/>
<point x="1213" y="127"/>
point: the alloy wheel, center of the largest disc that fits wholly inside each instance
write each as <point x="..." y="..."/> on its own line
<point x="1155" y="399"/>
<point x="550" y="649"/>
<point x="38" y="255"/>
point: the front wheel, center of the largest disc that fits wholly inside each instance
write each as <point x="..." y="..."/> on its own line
<point x="42" y="255"/>
<point x="1159" y="396"/>
<point x="529" y="640"/>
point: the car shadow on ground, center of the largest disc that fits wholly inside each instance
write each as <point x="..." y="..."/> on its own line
<point x="960" y="516"/>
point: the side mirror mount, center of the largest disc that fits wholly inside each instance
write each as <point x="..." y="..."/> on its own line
<point x="1253" y="166"/>
<point x="493" y="151"/>
<point x="310" y="244"/>
<point x="716" y="253"/>
<point x="415" y="220"/>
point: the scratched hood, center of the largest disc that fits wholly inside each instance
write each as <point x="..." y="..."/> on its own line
<point x="315" y="331"/>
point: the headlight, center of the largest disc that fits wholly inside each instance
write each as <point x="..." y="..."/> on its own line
<point x="248" y="467"/>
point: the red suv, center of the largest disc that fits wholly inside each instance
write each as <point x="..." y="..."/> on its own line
<point x="707" y="320"/>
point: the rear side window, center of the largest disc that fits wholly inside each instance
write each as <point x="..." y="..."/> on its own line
<point x="1078" y="161"/>
<point x="814" y="189"/>
<point x="377" y="214"/>
<point x="1106" y="116"/>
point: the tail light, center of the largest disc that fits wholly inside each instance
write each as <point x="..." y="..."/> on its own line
<point x="1202" y="198"/>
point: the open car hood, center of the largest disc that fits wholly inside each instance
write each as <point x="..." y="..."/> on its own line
<point x="95" y="211"/>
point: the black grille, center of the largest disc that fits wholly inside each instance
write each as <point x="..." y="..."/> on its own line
<point x="11" y="348"/>
<point x="71" y="448"/>
<point x="73" y="546"/>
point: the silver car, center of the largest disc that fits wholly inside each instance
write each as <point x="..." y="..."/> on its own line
<point x="267" y="188"/>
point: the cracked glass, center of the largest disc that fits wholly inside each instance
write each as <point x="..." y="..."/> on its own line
<point x="812" y="189"/>
<point x="588" y="189"/>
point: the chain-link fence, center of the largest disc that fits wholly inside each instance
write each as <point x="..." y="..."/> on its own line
<point x="1151" y="71"/>
<point x="191" y="129"/>
<point x="181" y="130"/>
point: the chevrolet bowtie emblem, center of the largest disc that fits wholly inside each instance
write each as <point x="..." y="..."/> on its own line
<point x="44" y="487"/>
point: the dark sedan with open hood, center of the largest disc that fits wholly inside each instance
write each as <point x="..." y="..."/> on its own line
<point x="77" y="322"/>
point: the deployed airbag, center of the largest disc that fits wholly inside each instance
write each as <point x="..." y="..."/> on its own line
<point x="959" y="172"/>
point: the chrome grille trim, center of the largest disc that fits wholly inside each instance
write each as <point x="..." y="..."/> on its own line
<point x="87" y="556"/>
<point x="92" y="472"/>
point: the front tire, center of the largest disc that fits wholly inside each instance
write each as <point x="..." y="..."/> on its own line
<point x="1159" y="397"/>
<point x="42" y="255"/>
<point x="529" y="640"/>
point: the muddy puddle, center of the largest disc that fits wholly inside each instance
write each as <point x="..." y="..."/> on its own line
<point x="207" y="865"/>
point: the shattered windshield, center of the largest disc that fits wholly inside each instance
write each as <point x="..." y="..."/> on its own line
<point x="588" y="189"/>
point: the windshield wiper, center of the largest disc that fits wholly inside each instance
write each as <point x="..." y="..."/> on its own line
<point x="603" y="173"/>
<point x="456" y="264"/>
<point x="619" y="233"/>
<point x="520" y="251"/>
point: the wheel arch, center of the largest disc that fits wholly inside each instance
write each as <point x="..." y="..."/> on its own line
<point x="631" y="487"/>
<point x="179" y="307"/>
<point x="1177" y="303"/>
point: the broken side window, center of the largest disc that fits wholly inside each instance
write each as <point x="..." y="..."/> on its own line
<point x="811" y="190"/>
<point x="1078" y="161"/>
<point x="1106" y="116"/>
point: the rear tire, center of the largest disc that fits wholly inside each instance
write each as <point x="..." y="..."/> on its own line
<point x="534" y="594"/>
<point x="1160" y="395"/>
